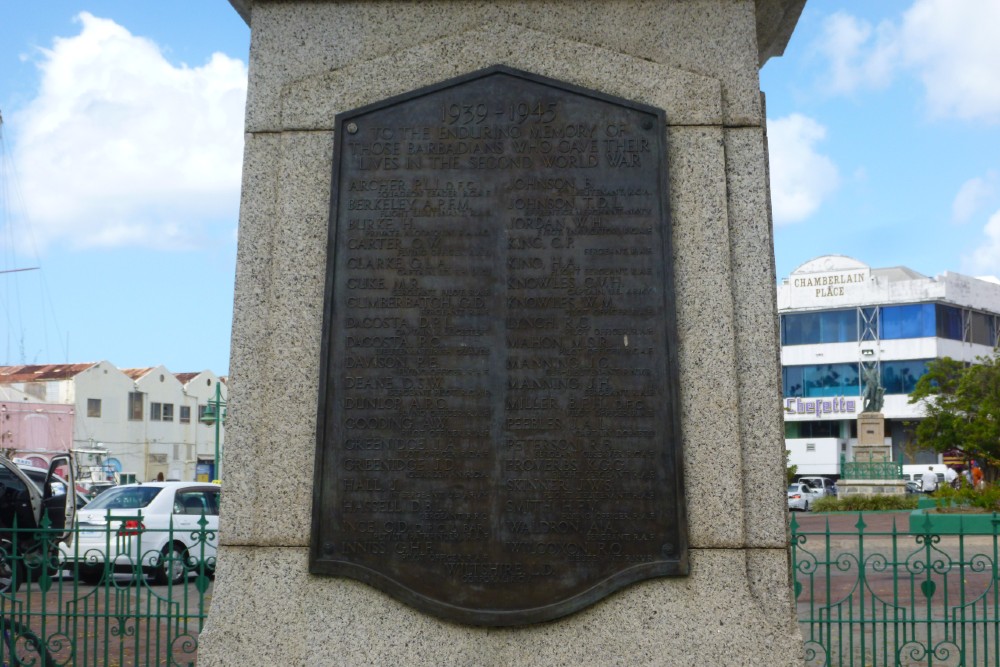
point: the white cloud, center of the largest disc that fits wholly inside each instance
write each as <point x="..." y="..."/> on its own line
<point x="860" y="56"/>
<point x="974" y="194"/>
<point x="801" y="177"/>
<point x="951" y="46"/>
<point x="986" y="258"/>
<point x="120" y="147"/>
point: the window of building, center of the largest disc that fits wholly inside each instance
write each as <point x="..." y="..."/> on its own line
<point x="981" y="329"/>
<point x="915" y="320"/>
<point x="828" y="326"/>
<point x="135" y="405"/>
<point x="813" y="429"/>
<point x="820" y="380"/>
<point x="185" y="417"/>
<point x="201" y="413"/>
<point x="155" y="412"/>
<point x="168" y="412"/>
<point x="949" y="322"/>
<point x="93" y="407"/>
<point x="900" y="377"/>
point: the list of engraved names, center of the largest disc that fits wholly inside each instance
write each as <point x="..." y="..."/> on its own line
<point x="498" y="344"/>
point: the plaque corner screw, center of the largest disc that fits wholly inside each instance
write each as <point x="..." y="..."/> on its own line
<point x="647" y="124"/>
<point x="352" y="128"/>
<point x="328" y="548"/>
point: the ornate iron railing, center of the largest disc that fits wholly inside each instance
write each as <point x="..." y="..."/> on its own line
<point x="871" y="470"/>
<point x="894" y="597"/>
<point x="119" y="603"/>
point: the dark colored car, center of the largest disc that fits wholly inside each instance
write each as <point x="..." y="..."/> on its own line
<point x="24" y="543"/>
<point x="38" y="475"/>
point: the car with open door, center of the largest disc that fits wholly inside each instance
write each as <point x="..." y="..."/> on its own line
<point x="39" y="475"/>
<point x="34" y="519"/>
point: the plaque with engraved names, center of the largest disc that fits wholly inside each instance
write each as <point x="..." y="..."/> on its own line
<point x="498" y="433"/>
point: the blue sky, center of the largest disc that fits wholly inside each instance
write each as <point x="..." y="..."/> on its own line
<point x="123" y="121"/>
<point x="123" y="137"/>
<point x="884" y="129"/>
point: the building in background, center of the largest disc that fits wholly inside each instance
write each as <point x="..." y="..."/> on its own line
<point x="33" y="431"/>
<point x="837" y="316"/>
<point x="146" y="420"/>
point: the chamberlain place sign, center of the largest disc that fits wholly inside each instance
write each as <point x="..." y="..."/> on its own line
<point x="828" y="288"/>
<point x="499" y="435"/>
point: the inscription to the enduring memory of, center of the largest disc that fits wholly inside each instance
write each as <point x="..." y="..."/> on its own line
<point x="498" y="426"/>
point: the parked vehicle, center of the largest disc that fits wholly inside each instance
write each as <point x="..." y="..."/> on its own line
<point x="153" y="527"/>
<point x="915" y="473"/>
<point x="24" y="543"/>
<point x="824" y="485"/>
<point x="38" y="475"/>
<point x="801" y="496"/>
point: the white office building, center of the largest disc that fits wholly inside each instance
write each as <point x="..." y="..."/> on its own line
<point x="838" y="316"/>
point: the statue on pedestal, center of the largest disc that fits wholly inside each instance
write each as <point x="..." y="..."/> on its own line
<point x="874" y="392"/>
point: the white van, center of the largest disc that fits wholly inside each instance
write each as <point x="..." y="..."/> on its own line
<point x="824" y="485"/>
<point x="915" y="473"/>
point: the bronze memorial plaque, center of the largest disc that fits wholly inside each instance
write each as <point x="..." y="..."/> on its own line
<point x="499" y="437"/>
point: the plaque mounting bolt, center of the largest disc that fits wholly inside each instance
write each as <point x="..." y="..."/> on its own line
<point x="352" y="128"/>
<point x="328" y="548"/>
<point x="647" y="124"/>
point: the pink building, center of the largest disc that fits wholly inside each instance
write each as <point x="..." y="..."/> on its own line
<point x="32" y="431"/>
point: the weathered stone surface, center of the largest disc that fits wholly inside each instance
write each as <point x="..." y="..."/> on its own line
<point x="733" y="610"/>
<point x="276" y="334"/>
<point x="703" y="37"/>
<point x="756" y="322"/>
<point x="687" y="97"/>
<point x="697" y="59"/>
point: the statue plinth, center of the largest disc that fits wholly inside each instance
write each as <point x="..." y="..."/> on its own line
<point x="866" y="475"/>
<point x="871" y="429"/>
<point x="871" y="447"/>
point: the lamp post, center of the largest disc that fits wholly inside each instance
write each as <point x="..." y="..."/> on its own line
<point x="215" y="413"/>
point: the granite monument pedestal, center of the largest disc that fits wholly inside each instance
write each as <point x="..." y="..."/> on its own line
<point x="696" y="61"/>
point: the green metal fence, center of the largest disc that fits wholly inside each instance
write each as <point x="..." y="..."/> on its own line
<point x="871" y="470"/>
<point x="890" y="596"/>
<point x="63" y="604"/>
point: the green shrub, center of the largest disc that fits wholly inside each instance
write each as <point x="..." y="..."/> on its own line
<point x="986" y="498"/>
<point x="858" y="503"/>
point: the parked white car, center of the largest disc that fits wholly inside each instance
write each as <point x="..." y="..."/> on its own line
<point x="801" y="496"/>
<point x="155" y="526"/>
